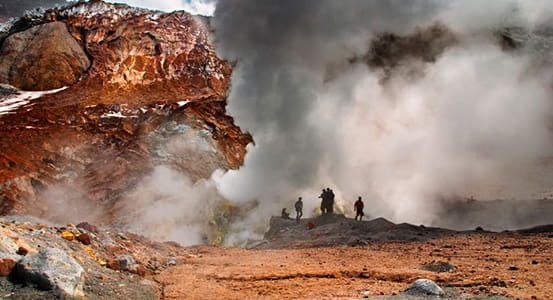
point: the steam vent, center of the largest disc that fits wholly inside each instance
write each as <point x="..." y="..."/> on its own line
<point x="264" y="149"/>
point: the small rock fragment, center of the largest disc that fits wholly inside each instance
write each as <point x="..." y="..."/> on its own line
<point x="89" y="227"/>
<point x="126" y="262"/>
<point x="141" y="270"/>
<point x="6" y="266"/>
<point x="68" y="235"/>
<point x="424" y="287"/>
<point x="84" y="238"/>
<point x="22" y="251"/>
<point x="113" y="264"/>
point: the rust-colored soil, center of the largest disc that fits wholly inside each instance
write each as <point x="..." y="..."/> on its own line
<point x="509" y="264"/>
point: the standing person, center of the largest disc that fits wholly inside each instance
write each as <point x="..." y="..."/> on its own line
<point x="299" y="209"/>
<point x="359" y="208"/>
<point x="330" y="207"/>
<point x="324" y="201"/>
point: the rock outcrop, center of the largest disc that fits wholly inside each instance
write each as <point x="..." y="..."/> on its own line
<point x="43" y="57"/>
<point x="143" y="88"/>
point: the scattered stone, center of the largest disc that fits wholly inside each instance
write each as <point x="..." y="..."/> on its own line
<point x="513" y="268"/>
<point x="141" y="270"/>
<point x="122" y="236"/>
<point x="424" y="287"/>
<point x="310" y="225"/>
<point x="51" y="269"/>
<point x="479" y="229"/>
<point x="68" y="235"/>
<point x="89" y="227"/>
<point x="439" y="267"/>
<point x="22" y="251"/>
<point x="127" y="263"/>
<point x="84" y="238"/>
<point x="362" y="242"/>
<point x="535" y="262"/>
<point x="6" y="266"/>
<point x="113" y="264"/>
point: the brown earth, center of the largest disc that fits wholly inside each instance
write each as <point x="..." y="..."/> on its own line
<point x="469" y="265"/>
<point x="484" y="264"/>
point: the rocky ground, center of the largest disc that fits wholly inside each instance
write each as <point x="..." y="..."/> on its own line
<point x="375" y="259"/>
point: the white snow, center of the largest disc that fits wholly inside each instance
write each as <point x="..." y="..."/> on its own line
<point x="183" y="103"/>
<point x="8" y="105"/>
<point x="113" y="115"/>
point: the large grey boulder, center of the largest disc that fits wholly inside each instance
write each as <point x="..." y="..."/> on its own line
<point x="51" y="269"/>
<point x="424" y="287"/>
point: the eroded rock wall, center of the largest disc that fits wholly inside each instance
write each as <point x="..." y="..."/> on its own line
<point x="144" y="88"/>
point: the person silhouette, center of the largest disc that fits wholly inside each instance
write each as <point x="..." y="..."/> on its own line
<point x="358" y="206"/>
<point x="299" y="209"/>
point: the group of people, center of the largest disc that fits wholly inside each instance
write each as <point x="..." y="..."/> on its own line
<point x="299" y="210"/>
<point x="327" y="203"/>
<point x="327" y="206"/>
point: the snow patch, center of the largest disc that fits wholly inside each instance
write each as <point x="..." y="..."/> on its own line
<point x="113" y="115"/>
<point x="183" y="103"/>
<point x="8" y="105"/>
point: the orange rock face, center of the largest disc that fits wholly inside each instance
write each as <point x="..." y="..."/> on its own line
<point x="152" y="92"/>
<point x="44" y="57"/>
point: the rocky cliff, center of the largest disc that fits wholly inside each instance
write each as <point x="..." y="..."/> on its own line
<point x="128" y="89"/>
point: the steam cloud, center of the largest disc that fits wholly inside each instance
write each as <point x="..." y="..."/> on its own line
<point x="474" y="122"/>
<point x="452" y="118"/>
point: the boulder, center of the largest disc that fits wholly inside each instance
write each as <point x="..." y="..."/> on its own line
<point x="51" y="269"/>
<point x="43" y="57"/>
<point x="424" y="287"/>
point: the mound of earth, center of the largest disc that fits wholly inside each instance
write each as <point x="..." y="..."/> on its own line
<point x="336" y="229"/>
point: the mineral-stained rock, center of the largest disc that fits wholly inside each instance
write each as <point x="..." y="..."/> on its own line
<point x="113" y="264"/>
<point x="87" y="226"/>
<point x="44" y="57"/>
<point x="7" y="263"/>
<point x="84" y="238"/>
<point x="424" y="287"/>
<point x="22" y="251"/>
<point x="51" y="269"/>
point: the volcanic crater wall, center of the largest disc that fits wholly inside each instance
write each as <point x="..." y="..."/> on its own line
<point x="139" y="84"/>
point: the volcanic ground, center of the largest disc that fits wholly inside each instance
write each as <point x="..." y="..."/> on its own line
<point x="338" y="259"/>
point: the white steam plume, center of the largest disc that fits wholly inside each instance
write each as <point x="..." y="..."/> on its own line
<point x="475" y="122"/>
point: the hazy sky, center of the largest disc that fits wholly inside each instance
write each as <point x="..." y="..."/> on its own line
<point x="203" y="7"/>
